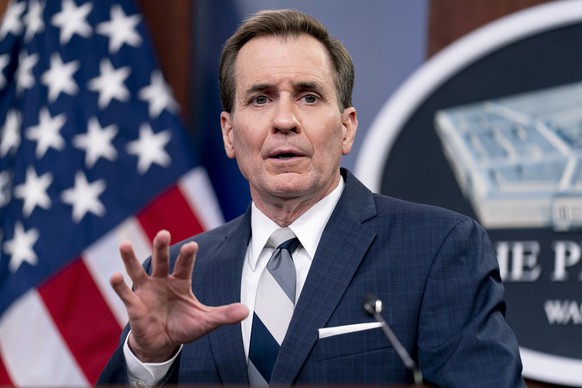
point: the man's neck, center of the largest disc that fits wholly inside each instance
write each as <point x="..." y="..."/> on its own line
<point x="283" y="211"/>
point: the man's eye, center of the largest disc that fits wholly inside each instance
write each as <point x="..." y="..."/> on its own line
<point x="260" y="100"/>
<point x="310" y="98"/>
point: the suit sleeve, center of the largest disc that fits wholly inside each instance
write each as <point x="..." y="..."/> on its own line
<point x="464" y="340"/>
<point x="115" y="372"/>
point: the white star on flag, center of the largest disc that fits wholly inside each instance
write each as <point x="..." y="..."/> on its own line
<point x="12" y="20"/>
<point x="47" y="132"/>
<point x="97" y="142"/>
<point x="149" y="148"/>
<point x="33" y="20"/>
<point x="59" y="78"/>
<point x="72" y="20"/>
<point x="10" y="133"/>
<point x="33" y="191"/>
<point x="109" y="83"/>
<point x="120" y="29"/>
<point x="158" y="95"/>
<point x="84" y="197"/>
<point x="20" y="247"/>
<point x="24" y="77"/>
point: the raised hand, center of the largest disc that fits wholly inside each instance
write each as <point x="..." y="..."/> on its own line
<point x="163" y="312"/>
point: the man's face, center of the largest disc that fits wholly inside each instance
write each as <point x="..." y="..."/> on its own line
<point x="286" y="130"/>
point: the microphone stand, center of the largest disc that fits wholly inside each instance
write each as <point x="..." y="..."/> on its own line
<point x="373" y="306"/>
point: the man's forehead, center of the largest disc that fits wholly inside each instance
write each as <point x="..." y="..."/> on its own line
<point x="267" y="61"/>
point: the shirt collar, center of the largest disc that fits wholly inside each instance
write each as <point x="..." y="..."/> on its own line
<point x="308" y="228"/>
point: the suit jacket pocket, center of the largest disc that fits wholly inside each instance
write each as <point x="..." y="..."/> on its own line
<point x="351" y="343"/>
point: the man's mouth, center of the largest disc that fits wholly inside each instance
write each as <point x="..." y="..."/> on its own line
<point x="285" y="155"/>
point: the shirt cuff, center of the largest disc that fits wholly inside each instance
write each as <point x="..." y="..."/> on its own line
<point x="147" y="374"/>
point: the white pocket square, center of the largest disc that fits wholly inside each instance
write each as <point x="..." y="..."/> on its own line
<point x="325" y="332"/>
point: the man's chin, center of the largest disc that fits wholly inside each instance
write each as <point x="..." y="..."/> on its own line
<point x="288" y="186"/>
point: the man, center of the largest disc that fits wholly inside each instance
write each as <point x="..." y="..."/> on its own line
<point x="288" y="119"/>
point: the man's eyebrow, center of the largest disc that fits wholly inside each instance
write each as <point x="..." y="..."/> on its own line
<point x="256" y="88"/>
<point x="307" y="85"/>
<point x="301" y="86"/>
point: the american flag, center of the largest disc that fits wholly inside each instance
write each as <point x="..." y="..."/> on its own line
<point x="91" y="152"/>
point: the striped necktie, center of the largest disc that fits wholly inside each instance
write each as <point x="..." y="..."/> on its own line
<point x="274" y="307"/>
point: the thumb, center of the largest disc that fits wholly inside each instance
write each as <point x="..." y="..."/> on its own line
<point x="234" y="313"/>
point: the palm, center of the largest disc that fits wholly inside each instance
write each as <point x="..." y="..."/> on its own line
<point x="163" y="312"/>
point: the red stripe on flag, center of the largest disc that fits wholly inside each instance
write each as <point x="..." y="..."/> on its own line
<point x="172" y="212"/>
<point x="83" y="317"/>
<point x="4" y="376"/>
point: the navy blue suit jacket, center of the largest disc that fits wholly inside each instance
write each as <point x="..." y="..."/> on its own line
<point x="434" y="269"/>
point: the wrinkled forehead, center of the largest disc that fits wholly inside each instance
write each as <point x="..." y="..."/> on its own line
<point x="297" y="59"/>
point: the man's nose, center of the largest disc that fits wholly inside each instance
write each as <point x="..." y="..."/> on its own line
<point x="285" y="116"/>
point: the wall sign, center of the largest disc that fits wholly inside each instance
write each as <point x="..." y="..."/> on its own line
<point x="492" y="127"/>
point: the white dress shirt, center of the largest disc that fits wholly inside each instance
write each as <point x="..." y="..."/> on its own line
<point x="308" y="228"/>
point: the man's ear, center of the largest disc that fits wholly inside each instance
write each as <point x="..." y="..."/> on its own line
<point x="350" y="126"/>
<point x="227" y="135"/>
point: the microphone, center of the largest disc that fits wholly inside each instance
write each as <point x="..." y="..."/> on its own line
<point x="373" y="306"/>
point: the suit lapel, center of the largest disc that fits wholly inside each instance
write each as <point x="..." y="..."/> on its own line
<point x="342" y="247"/>
<point x="224" y="283"/>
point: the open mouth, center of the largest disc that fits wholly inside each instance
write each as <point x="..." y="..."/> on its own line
<point x="286" y="155"/>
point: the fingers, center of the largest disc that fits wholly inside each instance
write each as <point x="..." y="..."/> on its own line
<point x="161" y="254"/>
<point x="185" y="261"/>
<point x="132" y="264"/>
<point x="161" y="257"/>
<point x="121" y="289"/>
